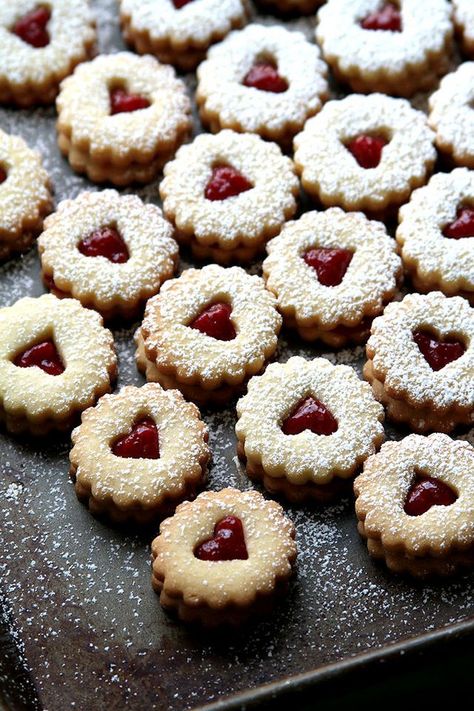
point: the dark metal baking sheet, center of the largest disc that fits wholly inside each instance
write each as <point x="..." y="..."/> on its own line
<point x="80" y="625"/>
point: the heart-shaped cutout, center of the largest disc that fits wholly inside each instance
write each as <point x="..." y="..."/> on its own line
<point x="265" y="77"/>
<point x="31" y="28"/>
<point x="438" y="352"/>
<point x="462" y="226"/>
<point x="367" y="150"/>
<point x="105" y="242"/>
<point x="425" y="492"/>
<point x="226" y="182"/>
<point x="388" y="18"/>
<point x="123" y="102"/>
<point x="180" y="3"/>
<point x="310" y="414"/>
<point x="215" y="321"/>
<point x="3" y="175"/>
<point x="142" y="442"/>
<point x="44" y="355"/>
<point x="227" y="543"/>
<point x="330" y="264"/>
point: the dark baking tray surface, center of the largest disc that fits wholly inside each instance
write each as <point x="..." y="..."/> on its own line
<point x="80" y="625"/>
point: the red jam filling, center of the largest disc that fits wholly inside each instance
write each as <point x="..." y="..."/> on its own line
<point x="123" y="102"/>
<point x="44" y="355"/>
<point x="215" y="321"/>
<point x="104" y="242"/>
<point x="141" y="443"/>
<point x="3" y="176"/>
<point x="426" y="492"/>
<point x="330" y="264"/>
<point x="180" y="3"/>
<point x="31" y="28"/>
<point x="310" y="414"/>
<point x="463" y="225"/>
<point x="226" y="182"/>
<point x="227" y="543"/>
<point x="367" y="150"/>
<point x="387" y="18"/>
<point x="264" y="76"/>
<point x="438" y="353"/>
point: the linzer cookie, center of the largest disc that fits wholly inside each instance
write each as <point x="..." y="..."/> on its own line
<point x="436" y="234"/>
<point x="25" y="196"/>
<point x="138" y="453"/>
<point x="306" y="426"/>
<point x="206" y="332"/>
<point x="121" y="117"/>
<point x="223" y="557"/>
<point x="228" y="194"/>
<point x="415" y="505"/>
<point x="263" y="80"/>
<point x="365" y="153"/>
<point x="421" y="360"/>
<point x="464" y="23"/>
<point x="179" y="32"/>
<point x="110" y="252"/>
<point x="331" y="273"/>
<point x="40" y="44"/>
<point x="393" y="47"/>
<point x="56" y="359"/>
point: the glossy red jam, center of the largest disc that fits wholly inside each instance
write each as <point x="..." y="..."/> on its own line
<point x="310" y="414"/>
<point x="3" y="176"/>
<point x="438" y="353"/>
<point x="123" y="102"/>
<point x="142" y="442"/>
<point x="426" y="492"/>
<point x="463" y="225"/>
<point x="228" y="542"/>
<point x="31" y="28"/>
<point x="386" y="18"/>
<point x="226" y="182"/>
<point x="329" y="263"/>
<point x="44" y="355"/>
<point x="215" y="321"/>
<point x="104" y="242"/>
<point x="180" y="3"/>
<point x="367" y="150"/>
<point x="264" y="76"/>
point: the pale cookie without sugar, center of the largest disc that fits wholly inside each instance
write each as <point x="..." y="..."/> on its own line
<point x="421" y="360"/>
<point x="374" y="45"/>
<point x="415" y="505"/>
<point x="228" y="194"/>
<point x="56" y="359"/>
<point x="223" y="557"/>
<point x="436" y="234"/>
<point x="306" y="426"/>
<point x="40" y="44"/>
<point x="138" y="453"/>
<point x="264" y="80"/>
<point x="207" y="332"/>
<point x="179" y="32"/>
<point x="464" y="23"/>
<point x="121" y="118"/>
<point x="332" y="272"/>
<point x="110" y="252"/>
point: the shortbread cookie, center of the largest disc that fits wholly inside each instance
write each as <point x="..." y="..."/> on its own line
<point x="179" y="32"/>
<point x="421" y="361"/>
<point x="206" y="332"/>
<point x="395" y="48"/>
<point x="40" y="44"/>
<point x="138" y="453"/>
<point x="223" y="557"/>
<point x="435" y="235"/>
<point x="56" y="359"/>
<point x="121" y="117"/>
<point x="365" y="153"/>
<point x="331" y="273"/>
<point x="253" y="82"/>
<point x="452" y="116"/>
<point x="228" y="194"/>
<point x="306" y="426"/>
<point x="415" y="505"/>
<point x="110" y="252"/>
<point x="464" y="23"/>
<point x="25" y="196"/>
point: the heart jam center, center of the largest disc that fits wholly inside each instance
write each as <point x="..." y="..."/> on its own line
<point x="227" y="543"/>
<point x="426" y="492"/>
<point x="330" y="264"/>
<point x="104" y="242"/>
<point x="264" y="76"/>
<point x="31" y="28"/>
<point x="367" y="150"/>
<point x="310" y="414"/>
<point x="226" y="182"/>
<point x="142" y="442"/>
<point x="44" y="355"/>
<point x="180" y="3"/>
<point x="123" y="102"/>
<point x="438" y="353"/>
<point x="463" y="225"/>
<point x="215" y="321"/>
<point x="387" y="18"/>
